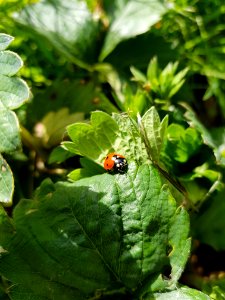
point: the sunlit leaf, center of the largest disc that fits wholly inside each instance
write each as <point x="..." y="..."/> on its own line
<point x="5" y="40"/>
<point x="10" y="63"/>
<point x="154" y="131"/>
<point x="69" y="26"/>
<point x="135" y="18"/>
<point x="116" y="225"/>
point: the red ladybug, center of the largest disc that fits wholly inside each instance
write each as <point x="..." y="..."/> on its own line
<point x="115" y="163"/>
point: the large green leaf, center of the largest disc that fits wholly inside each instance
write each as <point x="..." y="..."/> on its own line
<point x="135" y="18"/>
<point x="119" y="133"/>
<point x="68" y="25"/>
<point x="101" y="233"/>
<point x="106" y="134"/>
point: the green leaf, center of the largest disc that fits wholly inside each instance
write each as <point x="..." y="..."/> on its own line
<point x="183" y="293"/>
<point x="135" y="18"/>
<point x="99" y="233"/>
<point x="143" y="47"/>
<point x="10" y="63"/>
<point x="204" y="171"/>
<point x="80" y="173"/>
<point x="5" y="40"/>
<point x="106" y="134"/>
<point x="69" y="26"/>
<point x="154" y="131"/>
<point x="135" y="103"/>
<point x="165" y="83"/>
<point x="93" y="140"/>
<point x="180" y="244"/>
<point x="13" y="91"/>
<point x="158" y="283"/>
<point x="71" y="147"/>
<point x="89" y="168"/>
<point x="6" y="229"/>
<point x="130" y="140"/>
<point x="178" y="81"/>
<point x="215" y="288"/>
<point x="152" y="70"/>
<point x="194" y="122"/>
<point x="20" y="293"/>
<point x="6" y="183"/>
<point x="118" y="134"/>
<point x="69" y="96"/>
<point x="9" y="131"/>
<point x="58" y="155"/>
<point x="53" y="126"/>
<point x="214" y="139"/>
<point x="138" y="75"/>
<point x="182" y="143"/>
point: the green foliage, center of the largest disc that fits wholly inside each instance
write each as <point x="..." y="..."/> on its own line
<point x="132" y="18"/>
<point x="210" y="224"/>
<point x="164" y="84"/>
<point x="214" y="139"/>
<point x="144" y="79"/>
<point x="120" y="134"/>
<point x="107" y="229"/>
<point x="182" y="143"/>
<point x="13" y="93"/>
<point x="154" y="132"/>
<point x="70" y="28"/>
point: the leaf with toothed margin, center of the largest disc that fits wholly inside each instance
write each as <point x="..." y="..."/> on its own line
<point x="154" y="131"/>
<point x="123" y="226"/>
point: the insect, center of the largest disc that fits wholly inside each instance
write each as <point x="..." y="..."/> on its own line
<point x="115" y="163"/>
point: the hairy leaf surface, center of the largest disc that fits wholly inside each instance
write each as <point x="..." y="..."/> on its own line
<point x="102" y="232"/>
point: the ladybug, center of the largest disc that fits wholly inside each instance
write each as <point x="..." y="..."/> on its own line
<point x="115" y="163"/>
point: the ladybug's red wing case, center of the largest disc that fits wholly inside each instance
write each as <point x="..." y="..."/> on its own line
<point x="115" y="163"/>
<point x="109" y="162"/>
